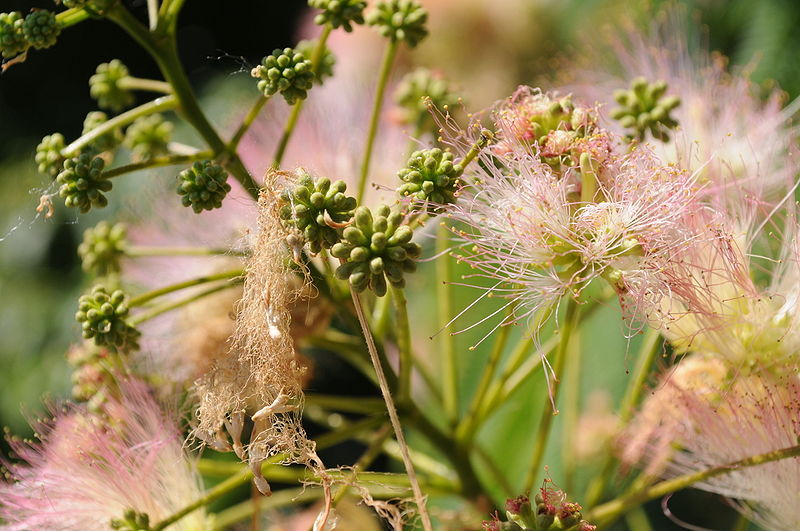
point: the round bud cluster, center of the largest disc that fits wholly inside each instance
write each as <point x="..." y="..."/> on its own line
<point x="416" y="91"/>
<point x="102" y="247"/>
<point x="41" y="29"/>
<point x="560" y="130"/>
<point x="104" y="86"/>
<point x="107" y="141"/>
<point x="400" y="20"/>
<point x="12" y="34"/>
<point x="431" y="177"/>
<point x="132" y="521"/>
<point x="203" y="186"/>
<point x="550" y="512"/>
<point x="645" y="108"/>
<point x="82" y="182"/>
<point x="48" y="154"/>
<point x="286" y="71"/>
<point x="319" y="209"/>
<point x="376" y="249"/>
<point x="325" y="68"/>
<point x="149" y="136"/>
<point x="103" y="318"/>
<point x="339" y="13"/>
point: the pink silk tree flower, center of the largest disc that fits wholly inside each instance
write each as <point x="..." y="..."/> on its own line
<point x="736" y="139"/>
<point x="531" y="227"/>
<point x="743" y="417"/>
<point x="90" y="468"/>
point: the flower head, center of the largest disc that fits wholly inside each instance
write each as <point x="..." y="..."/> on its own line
<point x="745" y="417"/>
<point x="541" y="232"/>
<point x="90" y="468"/>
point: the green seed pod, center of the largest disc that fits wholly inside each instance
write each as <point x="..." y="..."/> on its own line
<point x="149" y="136"/>
<point x="645" y="108"/>
<point x="82" y="182"/>
<point x="339" y="13"/>
<point x="12" y="34"/>
<point x="376" y="251"/>
<point x="325" y="69"/>
<point x="41" y="29"/>
<point x="322" y="211"/>
<point x="203" y="186"/>
<point x="103" y="246"/>
<point x="416" y="91"/>
<point x="106" y="142"/>
<point x="103" y="318"/>
<point x="105" y="88"/>
<point x="400" y="20"/>
<point x="286" y="71"/>
<point x="430" y="178"/>
<point x="48" y="154"/>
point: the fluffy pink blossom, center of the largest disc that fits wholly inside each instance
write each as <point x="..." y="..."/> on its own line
<point x="737" y="140"/>
<point x="90" y="468"/>
<point x="529" y="232"/>
<point x="746" y="417"/>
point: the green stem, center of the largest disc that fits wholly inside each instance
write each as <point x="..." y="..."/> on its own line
<point x="146" y="85"/>
<point x="169" y="306"/>
<point x="349" y="404"/>
<point x="142" y="251"/>
<point x="466" y="429"/>
<point x="155" y="162"/>
<point x="150" y="295"/>
<point x="571" y="318"/>
<point x="608" y="512"/>
<point x="283" y="498"/>
<point x="220" y="490"/>
<point x="70" y="17"/>
<point x="650" y="347"/>
<point x="572" y="399"/>
<point x="291" y="122"/>
<point x="390" y="407"/>
<point x="456" y="454"/>
<point x="383" y="79"/>
<point x="248" y="120"/>
<point x="349" y="348"/>
<point x="403" y="334"/>
<point x="163" y="49"/>
<point x="163" y="103"/>
<point x="444" y="297"/>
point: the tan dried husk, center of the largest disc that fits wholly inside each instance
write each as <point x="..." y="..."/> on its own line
<point x="260" y="376"/>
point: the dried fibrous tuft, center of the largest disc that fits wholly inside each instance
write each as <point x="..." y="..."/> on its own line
<point x="261" y="376"/>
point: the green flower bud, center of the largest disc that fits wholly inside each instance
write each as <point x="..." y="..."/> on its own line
<point x="430" y="177"/>
<point x="203" y="186"/>
<point x="400" y="20"/>
<point x="12" y="34"/>
<point x="106" y="142"/>
<point x="339" y="13"/>
<point x="376" y="250"/>
<point x="319" y="209"/>
<point x="149" y="136"/>
<point x="415" y="90"/>
<point x="102" y="247"/>
<point x="285" y="71"/>
<point x="48" y="154"/>
<point x="131" y="521"/>
<point x="104" y="86"/>
<point x="645" y="108"/>
<point x="103" y="318"/>
<point x="325" y="69"/>
<point x="82" y="182"/>
<point x="41" y="29"/>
